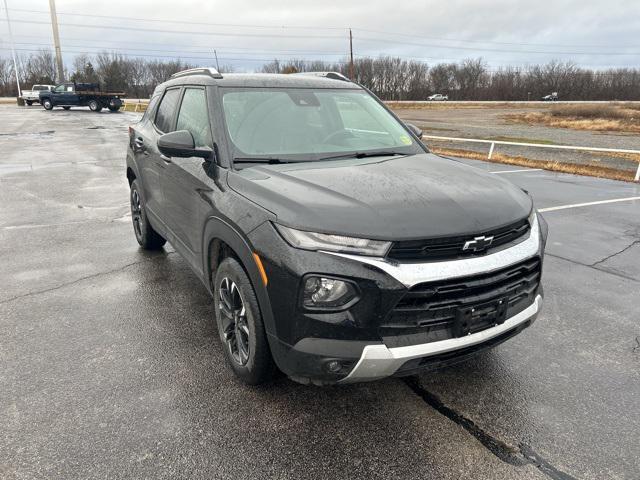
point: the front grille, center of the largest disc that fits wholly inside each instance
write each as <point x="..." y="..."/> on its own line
<point x="452" y="247"/>
<point x="440" y="304"/>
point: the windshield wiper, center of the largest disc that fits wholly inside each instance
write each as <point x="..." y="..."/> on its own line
<point x="269" y="160"/>
<point x="380" y="153"/>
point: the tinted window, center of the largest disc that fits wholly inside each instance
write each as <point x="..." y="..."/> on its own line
<point x="164" y="117"/>
<point x="193" y="116"/>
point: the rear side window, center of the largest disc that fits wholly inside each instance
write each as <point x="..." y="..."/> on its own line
<point x="194" y="117"/>
<point x="167" y="108"/>
<point x="152" y="104"/>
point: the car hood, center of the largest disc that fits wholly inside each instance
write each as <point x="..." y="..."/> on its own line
<point x="389" y="198"/>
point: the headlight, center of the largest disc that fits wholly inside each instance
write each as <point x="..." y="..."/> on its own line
<point x="322" y="292"/>
<point x="333" y="243"/>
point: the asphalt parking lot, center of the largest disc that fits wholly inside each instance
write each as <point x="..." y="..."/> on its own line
<point x="110" y="365"/>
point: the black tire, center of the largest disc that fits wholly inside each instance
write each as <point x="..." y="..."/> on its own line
<point x="66" y="108"/>
<point x="258" y="366"/>
<point x="146" y="236"/>
<point x="94" y="106"/>
<point x="114" y="109"/>
<point x="46" y="103"/>
<point x="29" y="102"/>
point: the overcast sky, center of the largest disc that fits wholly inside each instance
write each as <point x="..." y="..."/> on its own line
<point x="248" y="33"/>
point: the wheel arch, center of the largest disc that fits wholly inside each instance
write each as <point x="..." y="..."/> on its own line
<point x="221" y="238"/>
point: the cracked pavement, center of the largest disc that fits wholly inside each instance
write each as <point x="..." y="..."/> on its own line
<point x="110" y="365"/>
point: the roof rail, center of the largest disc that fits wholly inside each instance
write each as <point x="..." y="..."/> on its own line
<point x="332" y="75"/>
<point x="212" y="72"/>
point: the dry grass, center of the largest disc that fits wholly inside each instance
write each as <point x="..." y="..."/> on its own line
<point x="577" y="169"/>
<point x="609" y="118"/>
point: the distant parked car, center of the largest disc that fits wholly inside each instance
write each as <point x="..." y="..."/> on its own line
<point x="551" y="97"/>
<point x="438" y="97"/>
<point x="33" y="96"/>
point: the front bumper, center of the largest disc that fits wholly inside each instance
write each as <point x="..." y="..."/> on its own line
<point x="378" y="361"/>
<point x="362" y="338"/>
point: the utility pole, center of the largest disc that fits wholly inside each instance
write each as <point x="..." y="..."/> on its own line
<point x="56" y="40"/>
<point x="351" y="72"/>
<point x="216" y="55"/>
<point x="13" y="50"/>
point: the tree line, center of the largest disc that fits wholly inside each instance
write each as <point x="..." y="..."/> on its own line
<point x="391" y="78"/>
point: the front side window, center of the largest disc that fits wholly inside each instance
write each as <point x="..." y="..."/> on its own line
<point x="59" y="89"/>
<point x="193" y="116"/>
<point x="310" y="124"/>
<point x="166" y="110"/>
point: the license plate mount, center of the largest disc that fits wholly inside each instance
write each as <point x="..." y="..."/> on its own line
<point x="478" y="317"/>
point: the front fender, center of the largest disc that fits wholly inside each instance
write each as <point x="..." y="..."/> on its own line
<point x="217" y="228"/>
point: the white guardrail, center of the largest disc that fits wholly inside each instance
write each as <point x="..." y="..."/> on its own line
<point x="538" y="145"/>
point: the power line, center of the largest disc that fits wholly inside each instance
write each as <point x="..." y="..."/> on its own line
<point x="185" y="22"/>
<point x="302" y="27"/>
<point x="483" y="49"/>
<point x="365" y="39"/>
<point x="181" y="32"/>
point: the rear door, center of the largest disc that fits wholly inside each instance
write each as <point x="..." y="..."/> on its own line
<point x="151" y="162"/>
<point x="69" y="97"/>
<point x="185" y="179"/>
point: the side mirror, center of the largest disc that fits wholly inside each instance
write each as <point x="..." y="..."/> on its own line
<point x="415" y="130"/>
<point x="181" y="144"/>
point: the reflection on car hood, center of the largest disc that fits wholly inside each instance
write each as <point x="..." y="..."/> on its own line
<point x="394" y="198"/>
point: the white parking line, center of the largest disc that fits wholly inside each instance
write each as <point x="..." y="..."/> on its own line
<point x="576" y="205"/>
<point x="519" y="171"/>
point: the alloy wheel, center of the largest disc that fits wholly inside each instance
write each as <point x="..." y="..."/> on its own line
<point x="233" y="316"/>
<point x="136" y="213"/>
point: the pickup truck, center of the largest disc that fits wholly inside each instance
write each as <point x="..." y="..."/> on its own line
<point x="438" y="97"/>
<point x="33" y="96"/>
<point x="67" y="95"/>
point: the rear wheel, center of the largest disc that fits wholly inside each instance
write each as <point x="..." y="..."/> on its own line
<point x="46" y="103"/>
<point x="146" y="236"/>
<point x="66" y="108"/>
<point x="240" y="324"/>
<point x="94" y="106"/>
<point x="29" y="102"/>
<point x="114" y="109"/>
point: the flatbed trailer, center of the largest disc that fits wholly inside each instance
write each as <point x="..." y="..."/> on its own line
<point x="67" y="95"/>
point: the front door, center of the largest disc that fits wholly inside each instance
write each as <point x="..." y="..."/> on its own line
<point x="184" y="181"/>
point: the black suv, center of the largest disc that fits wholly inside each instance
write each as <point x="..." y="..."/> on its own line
<point x="336" y="247"/>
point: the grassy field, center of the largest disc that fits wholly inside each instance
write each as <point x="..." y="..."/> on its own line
<point x="623" y="117"/>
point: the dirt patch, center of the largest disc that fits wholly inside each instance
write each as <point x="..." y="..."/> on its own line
<point x="577" y="169"/>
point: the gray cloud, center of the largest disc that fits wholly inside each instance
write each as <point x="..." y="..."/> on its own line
<point x="592" y="34"/>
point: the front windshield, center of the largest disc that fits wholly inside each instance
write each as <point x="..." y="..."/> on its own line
<point x="300" y="124"/>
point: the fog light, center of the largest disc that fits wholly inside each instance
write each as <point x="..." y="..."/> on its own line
<point x="321" y="292"/>
<point x="333" y="366"/>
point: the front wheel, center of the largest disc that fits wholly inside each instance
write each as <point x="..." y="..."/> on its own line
<point x="146" y="236"/>
<point x="66" y="108"/>
<point x="114" y="109"/>
<point x="94" y="106"/>
<point x="240" y="324"/>
<point x="46" y="103"/>
<point x="29" y="102"/>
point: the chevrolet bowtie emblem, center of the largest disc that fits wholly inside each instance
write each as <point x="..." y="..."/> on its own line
<point x="478" y="244"/>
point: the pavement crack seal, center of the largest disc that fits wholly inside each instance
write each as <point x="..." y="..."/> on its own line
<point x="522" y="455"/>
<point x="609" y="257"/>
